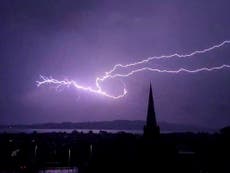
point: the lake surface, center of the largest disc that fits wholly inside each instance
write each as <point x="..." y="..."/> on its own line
<point x="59" y="170"/>
<point x="16" y="130"/>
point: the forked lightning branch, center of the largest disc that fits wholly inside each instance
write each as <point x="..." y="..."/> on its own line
<point x="114" y="72"/>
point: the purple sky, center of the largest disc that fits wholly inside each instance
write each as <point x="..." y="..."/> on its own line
<point x="81" y="40"/>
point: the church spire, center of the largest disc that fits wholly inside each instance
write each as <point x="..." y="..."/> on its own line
<point x="151" y="116"/>
<point x="151" y="128"/>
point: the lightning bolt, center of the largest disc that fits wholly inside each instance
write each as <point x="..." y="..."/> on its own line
<point x="112" y="73"/>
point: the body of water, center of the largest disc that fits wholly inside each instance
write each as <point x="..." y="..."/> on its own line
<point x="59" y="170"/>
<point x="18" y="130"/>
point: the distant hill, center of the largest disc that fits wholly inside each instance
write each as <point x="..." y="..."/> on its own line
<point x="112" y="125"/>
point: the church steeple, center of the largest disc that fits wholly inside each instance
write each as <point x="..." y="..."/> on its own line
<point x="151" y="128"/>
<point x="151" y="116"/>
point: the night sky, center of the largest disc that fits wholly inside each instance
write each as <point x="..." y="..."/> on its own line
<point x="81" y="40"/>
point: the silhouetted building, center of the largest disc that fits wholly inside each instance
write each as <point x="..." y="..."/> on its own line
<point x="151" y="129"/>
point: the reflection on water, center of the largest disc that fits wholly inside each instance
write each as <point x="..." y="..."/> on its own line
<point x="59" y="170"/>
